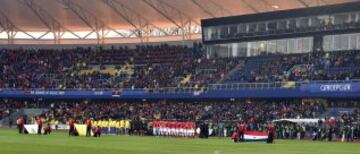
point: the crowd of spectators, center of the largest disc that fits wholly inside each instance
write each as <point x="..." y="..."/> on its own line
<point x="330" y="66"/>
<point x="337" y="65"/>
<point x="220" y="115"/>
<point x="253" y="112"/>
<point x="165" y="66"/>
<point x="29" y="68"/>
<point x="345" y="128"/>
<point x="247" y="110"/>
<point x="154" y="66"/>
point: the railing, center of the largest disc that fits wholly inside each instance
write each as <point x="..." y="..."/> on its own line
<point x="225" y="86"/>
<point x="269" y="85"/>
<point x="263" y="85"/>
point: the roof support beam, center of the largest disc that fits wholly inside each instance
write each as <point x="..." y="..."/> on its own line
<point x="223" y="10"/>
<point x="124" y="15"/>
<point x="143" y="27"/>
<point x="10" y="28"/>
<point x="3" y="27"/>
<point x="202" y="7"/>
<point x="254" y="9"/>
<point x="186" y="26"/>
<point x="31" y="5"/>
<point x="211" y="8"/>
<point x="322" y="1"/>
<point x="92" y="21"/>
<point x="268" y="5"/>
<point x="303" y="3"/>
<point x="54" y="26"/>
<point x="162" y="12"/>
<point x="181" y="14"/>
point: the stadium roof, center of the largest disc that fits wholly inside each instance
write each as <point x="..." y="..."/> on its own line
<point x="136" y="20"/>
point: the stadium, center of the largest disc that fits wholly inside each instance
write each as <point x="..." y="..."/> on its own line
<point x="180" y="76"/>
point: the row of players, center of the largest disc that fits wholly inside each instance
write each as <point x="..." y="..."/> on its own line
<point x="107" y="126"/>
<point x="166" y="128"/>
<point x="122" y="124"/>
<point x="160" y="128"/>
<point x="104" y="126"/>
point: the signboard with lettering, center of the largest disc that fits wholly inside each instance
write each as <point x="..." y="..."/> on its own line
<point x="331" y="87"/>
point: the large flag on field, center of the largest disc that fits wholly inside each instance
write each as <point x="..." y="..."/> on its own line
<point x="81" y="129"/>
<point x="33" y="129"/>
<point x="255" y="136"/>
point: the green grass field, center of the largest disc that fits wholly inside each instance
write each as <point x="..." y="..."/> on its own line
<point x="59" y="142"/>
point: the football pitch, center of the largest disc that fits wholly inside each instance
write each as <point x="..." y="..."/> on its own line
<point x="60" y="143"/>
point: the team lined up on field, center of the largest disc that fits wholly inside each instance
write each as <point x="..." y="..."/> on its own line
<point x="113" y="126"/>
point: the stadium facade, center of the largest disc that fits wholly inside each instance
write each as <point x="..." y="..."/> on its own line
<point x="327" y="28"/>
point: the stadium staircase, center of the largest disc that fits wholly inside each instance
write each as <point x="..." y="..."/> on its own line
<point x="32" y="112"/>
<point x="13" y="116"/>
<point x="336" y="112"/>
<point x="3" y="122"/>
<point x="235" y="72"/>
<point x="16" y="114"/>
<point x="243" y="71"/>
<point x="337" y="70"/>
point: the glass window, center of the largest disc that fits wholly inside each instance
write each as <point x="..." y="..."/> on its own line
<point x="233" y="29"/>
<point x="224" y="32"/>
<point x="284" y="46"/>
<point x="291" y="24"/>
<point x="308" y="44"/>
<point x="337" y="42"/>
<point x="292" y="48"/>
<point x="263" y="47"/>
<point x="300" y="45"/>
<point x="357" y="41"/>
<point x="271" y="26"/>
<point x="341" y="42"/>
<point x="352" y="18"/>
<point x="242" y="49"/>
<point x="344" y="42"/>
<point x="215" y="33"/>
<point x="242" y="28"/>
<point x="352" y="41"/>
<point x="251" y="49"/>
<point x="288" y="25"/>
<point x="271" y="46"/>
<point x="281" y="24"/>
<point x="302" y="22"/>
<point x="315" y="22"/>
<point x="328" y="43"/>
<point x="340" y="18"/>
<point x="262" y="27"/>
<point x="207" y="33"/>
<point x="252" y="27"/>
<point x="281" y="46"/>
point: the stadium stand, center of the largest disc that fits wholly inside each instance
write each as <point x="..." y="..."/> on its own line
<point x="221" y="115"/>
<point x="87" y="68"/>
<point x="340" y="65"/>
